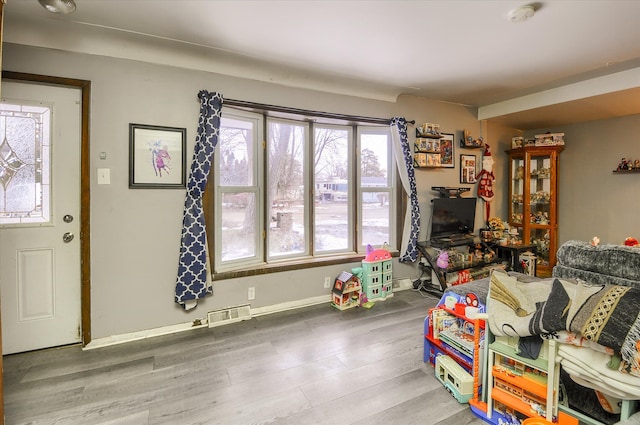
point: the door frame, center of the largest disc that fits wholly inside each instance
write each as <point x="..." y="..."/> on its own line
<point x="85" y="186"/>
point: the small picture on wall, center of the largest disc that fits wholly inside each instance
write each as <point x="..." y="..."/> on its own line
<point x="446" y="150"/>
<point x="467" y="169"/>
<point x="157" y="157"/>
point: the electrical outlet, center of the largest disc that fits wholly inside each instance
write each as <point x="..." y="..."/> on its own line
<point x="251" y="293"/>
<point x="327" y="282"/>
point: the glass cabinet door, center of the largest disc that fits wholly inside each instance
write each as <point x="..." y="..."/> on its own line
<point x="540" y="211"/>
<point x="516" y="206"/>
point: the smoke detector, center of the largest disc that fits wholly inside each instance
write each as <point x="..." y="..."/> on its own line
<point x="521" y="14"/>
<point x="62" y="7"/>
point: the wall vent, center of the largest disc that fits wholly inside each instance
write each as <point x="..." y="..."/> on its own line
<point x="229" y="315"/>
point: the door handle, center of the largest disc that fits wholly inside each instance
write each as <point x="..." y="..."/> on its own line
<point x="67" y="237"/>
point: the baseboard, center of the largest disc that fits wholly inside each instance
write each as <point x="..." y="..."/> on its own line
<point x="181" y="327"/>
<point x="291" y="305"/>
<point x="147" y="333"/>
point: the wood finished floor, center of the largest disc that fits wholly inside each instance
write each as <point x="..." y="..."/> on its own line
<point x="315" y="365"/>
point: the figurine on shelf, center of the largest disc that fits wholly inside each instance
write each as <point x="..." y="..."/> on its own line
<point x="519" y="173"/>
<point x="443" y="260"/>
<point x="542" y="217"/>
<point x="636" y="164"/>
<point x="468" y="141"/>
<point x="624" y="164"/>
<point x="544" y="173"/>
<point x="478" y="252"/>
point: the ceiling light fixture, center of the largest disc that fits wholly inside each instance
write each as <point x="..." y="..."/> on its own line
<point x="521" y="14"/>
<point x="62" y="7"/>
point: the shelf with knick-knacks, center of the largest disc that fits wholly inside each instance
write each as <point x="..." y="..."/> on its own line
<point x="428" y="131"/>
<point x="426" y="147"/>
<point x="628" y="166"/>
<point x="426" y="152"/>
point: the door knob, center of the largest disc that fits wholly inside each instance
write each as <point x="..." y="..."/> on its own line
<point x="68" y="218"/>
<point x="67" y="237"/>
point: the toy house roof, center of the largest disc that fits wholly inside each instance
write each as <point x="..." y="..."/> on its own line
<point x="342" y="282"/>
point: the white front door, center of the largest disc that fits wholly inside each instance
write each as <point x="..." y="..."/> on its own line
<point x="39" y="216"/>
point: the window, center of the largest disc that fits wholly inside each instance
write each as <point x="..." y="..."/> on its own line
<point x="238" y="236"/>
<point x="376" y="188"/>
<point x="287" y="188"/>
<point x="333" y="206"/>
<point x="25" y="154"/>
<point x="310" y="191"/>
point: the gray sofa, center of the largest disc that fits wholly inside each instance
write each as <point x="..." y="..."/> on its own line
<point x="614" y="264"/>
<point x="601" y="264"/>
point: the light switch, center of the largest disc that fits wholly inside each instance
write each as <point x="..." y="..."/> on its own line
<point x="104" y="176"/>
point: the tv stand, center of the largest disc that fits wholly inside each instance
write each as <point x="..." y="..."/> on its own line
<point x="459" y="271"/>
<point x="450" y="192"/>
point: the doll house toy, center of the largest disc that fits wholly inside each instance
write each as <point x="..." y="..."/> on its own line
<point x="377" y="270"/>
<point x="346" y="291"/>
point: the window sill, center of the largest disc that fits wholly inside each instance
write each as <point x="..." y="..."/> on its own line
<point x="291" y="265"/>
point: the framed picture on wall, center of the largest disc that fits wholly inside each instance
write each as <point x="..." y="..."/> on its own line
<point x="157" y="158"/>
<point x="446" y="150"/>
<point x="467" y="168"/>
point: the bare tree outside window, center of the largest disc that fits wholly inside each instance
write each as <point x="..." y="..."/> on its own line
<point x="332" y="224"/>
<point x="286" y="193"/>
<point x="237" y="165"/>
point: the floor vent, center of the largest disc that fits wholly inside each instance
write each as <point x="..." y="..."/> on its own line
<point x="229" y="315"/>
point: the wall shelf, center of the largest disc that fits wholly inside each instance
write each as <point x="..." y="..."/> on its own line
<point x="634" y="171"/>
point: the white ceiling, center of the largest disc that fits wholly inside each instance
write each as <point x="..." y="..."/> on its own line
<point x="574" y="61"/>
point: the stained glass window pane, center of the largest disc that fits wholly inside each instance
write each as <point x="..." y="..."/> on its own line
<point x="24" y="164"/>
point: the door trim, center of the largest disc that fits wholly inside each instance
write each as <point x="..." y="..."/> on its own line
<point x="85" y="186"/>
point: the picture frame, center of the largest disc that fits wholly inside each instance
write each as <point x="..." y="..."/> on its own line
<point x="446" y="148"/>
<point x="468" y="164"/>
<point x="157" y="157"/>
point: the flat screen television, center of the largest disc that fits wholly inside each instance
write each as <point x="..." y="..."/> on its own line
<point x="452" y="216"/>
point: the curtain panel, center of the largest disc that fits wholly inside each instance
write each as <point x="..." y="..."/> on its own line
<point x="404" y="161"/>
<point x="192" y="282"/>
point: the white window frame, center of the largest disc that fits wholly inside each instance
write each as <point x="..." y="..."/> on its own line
<point x="261" y="259"/>
<point x="307" y="197"/>
<point x="350" y="190"/>
<point x="390" y="188"/>
<point x="257" y="188"/>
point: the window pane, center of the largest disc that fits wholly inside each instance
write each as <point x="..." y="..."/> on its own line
<point x="375" y="218"/>
<point x="333" y="228"/>
<point x="376" y="210"/>
<point x="236" y="152"/>
<point x="24" y="164"/>
<point x="374" y="159"/>
<point x="238" y="227"/>
<point x="286" y="188"/>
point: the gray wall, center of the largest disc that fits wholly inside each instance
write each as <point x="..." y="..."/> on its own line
<point x="135" y="234"/>
<point x="593" y="200"/>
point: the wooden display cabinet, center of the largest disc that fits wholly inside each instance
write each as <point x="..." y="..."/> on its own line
<point x="533" y="200"/>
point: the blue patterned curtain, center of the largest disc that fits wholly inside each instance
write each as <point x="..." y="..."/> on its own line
<point x="192" y="283"/>
<point x="404" y="161"/>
